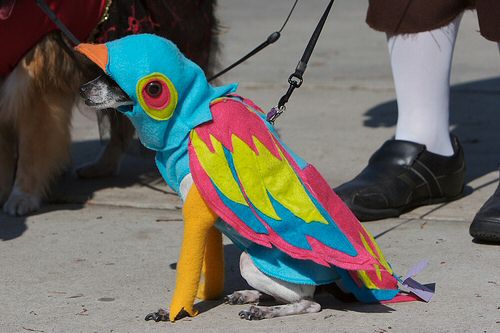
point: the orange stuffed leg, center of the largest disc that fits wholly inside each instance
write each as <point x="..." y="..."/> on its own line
<point x="199" y="220"/>
<point x="212" y="284"/>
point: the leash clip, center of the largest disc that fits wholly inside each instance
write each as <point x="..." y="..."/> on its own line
<point x="295" y="80"/>
<point x="275" y="113"/>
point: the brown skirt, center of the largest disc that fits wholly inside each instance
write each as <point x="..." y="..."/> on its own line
<point x="411" y="16"/>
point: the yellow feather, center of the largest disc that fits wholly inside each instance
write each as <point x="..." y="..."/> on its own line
<point x="283" y="184"/>
<point x="217" y="167"/>
<point x="363" y="276"/>
<point x="380" y="255"/>
<point x="245" y="163"/>
<point x="260" y="174"/>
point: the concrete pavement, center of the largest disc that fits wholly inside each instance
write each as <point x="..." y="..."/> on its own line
<point x="102" y="254"/>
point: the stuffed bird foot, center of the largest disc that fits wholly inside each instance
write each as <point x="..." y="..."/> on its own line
<point x="180" y="309"/>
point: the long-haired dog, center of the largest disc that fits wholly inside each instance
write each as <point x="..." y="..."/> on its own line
<point x="39" y="75"/>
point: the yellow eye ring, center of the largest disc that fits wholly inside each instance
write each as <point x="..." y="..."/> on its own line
<point x="157" y="96"/>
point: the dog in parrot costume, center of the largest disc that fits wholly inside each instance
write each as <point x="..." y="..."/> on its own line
<point x="236" y="177"/>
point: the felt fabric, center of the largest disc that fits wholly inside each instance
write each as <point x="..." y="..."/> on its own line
<point x="168" y="137"/>
<point x="212" y="280"/>
<point x="285" y="216"/>
<point x="27" y="24"/>
<point x="199" y="233"/>
<point x="272" y="203"/>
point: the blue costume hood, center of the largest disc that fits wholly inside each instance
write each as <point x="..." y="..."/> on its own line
<point x="163" y="122"/>
<point x="132" y="58"/>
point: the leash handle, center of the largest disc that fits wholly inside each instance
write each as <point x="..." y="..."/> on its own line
<point x="296" y="79"/>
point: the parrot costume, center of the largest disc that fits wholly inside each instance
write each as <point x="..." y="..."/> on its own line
<point x="227" y="163"/>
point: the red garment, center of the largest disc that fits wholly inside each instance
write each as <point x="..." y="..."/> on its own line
<point x="28" y="24"/>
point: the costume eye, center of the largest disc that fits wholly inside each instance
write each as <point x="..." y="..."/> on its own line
<point x="153" y="89"/>
<point x="157" y="96"/>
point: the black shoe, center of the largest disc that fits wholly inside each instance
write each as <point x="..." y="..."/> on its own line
<point x="401" y="176"/>
<point x="486" y="223"/>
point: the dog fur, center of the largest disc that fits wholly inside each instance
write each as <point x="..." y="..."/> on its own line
<point x="36" y="99"/>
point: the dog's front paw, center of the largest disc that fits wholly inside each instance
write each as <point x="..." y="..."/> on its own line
<point x="254" y="313"/>
<point x="21" y="203"/>
<point x="160" y="315"/>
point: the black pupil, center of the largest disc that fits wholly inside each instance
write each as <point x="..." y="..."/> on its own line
<point x="154" y="89"/>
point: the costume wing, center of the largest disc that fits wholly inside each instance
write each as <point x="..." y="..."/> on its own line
<point x="275" y="199"/>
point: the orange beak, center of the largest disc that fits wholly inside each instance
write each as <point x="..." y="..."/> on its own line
<point x="98" y="53"/>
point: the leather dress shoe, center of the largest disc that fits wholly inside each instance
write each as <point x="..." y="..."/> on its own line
<point x="401" y="176"/>
<point x="486" y="223"/>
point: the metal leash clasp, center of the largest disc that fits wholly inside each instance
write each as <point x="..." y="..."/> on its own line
<point x="295" y="80"/>
<point x="275" y="113"/>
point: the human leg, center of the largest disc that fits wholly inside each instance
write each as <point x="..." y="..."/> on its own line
<point x="423" y="165"/>
<point x="421" y="66"/>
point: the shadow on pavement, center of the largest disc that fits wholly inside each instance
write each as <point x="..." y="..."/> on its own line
<point x="138" y="167"/>
<point x="325" y="295"/>
<point x="11" y="227"/>
<point x="474" y="119"/>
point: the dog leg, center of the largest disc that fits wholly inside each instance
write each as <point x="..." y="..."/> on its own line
<point x="266" y="312"/>
<point x="108" y="162"/>
<point x="43" y="152"/>
<point x="298" y="296"/>
<point x="38" y="95"/>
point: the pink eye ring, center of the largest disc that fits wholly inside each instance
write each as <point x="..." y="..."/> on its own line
<point x="157" y="96"/>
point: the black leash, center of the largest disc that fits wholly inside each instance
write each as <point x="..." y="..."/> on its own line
<point x="270" y="40"/>
<point x="53" y="17"/>
<point x="296" y="79"/>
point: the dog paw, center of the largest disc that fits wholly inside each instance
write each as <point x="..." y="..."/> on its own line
<point x="160" y="315"/>
<point x="21" y="203"/>
<point x="254" y="313"/>
<point x="235" y="298"/>
<point x="96" y="170"/>
<point x="242" y="297"/>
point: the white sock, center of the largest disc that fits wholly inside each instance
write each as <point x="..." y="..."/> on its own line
<point x="421" y="65"/>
